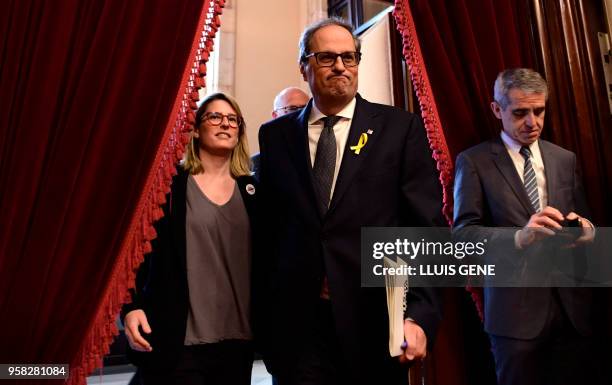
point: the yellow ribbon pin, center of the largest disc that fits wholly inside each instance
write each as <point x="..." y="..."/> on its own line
<point x="363" y="139"/>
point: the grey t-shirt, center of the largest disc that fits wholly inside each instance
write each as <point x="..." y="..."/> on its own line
<point x="218" y="268"/>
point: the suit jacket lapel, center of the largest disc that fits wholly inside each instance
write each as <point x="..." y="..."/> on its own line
<point x="550" y="171"/>
<point x="363" y="120"/>
<point x="506" y="168"/>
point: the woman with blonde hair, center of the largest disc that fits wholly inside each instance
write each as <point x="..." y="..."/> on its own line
<point x="189" y="320"/>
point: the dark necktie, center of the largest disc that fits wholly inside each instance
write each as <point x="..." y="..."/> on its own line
<point x="325" y="163"/>
<point x="529" y="179"/>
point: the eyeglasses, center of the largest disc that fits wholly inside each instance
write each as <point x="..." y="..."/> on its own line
<point x="216" y="118"/>
<point x="328" y="59"/>
<point x="288" y="109"/>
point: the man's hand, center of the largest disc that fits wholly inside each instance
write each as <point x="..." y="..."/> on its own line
<point x="541" y="225"/>
<point x="588" y="232"/>
<point x="416" y="342"/>
<point x="132" y="321"/>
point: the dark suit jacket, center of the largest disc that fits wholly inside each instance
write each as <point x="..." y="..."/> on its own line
<point x="489" y="192"/>
<point x="255" y="166"/>
<point x="392" y="182"/>
<point x="161" y="282"/>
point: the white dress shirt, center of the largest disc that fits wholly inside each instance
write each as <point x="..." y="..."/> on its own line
<point x="341" y="131"/>
<point x="513" y="147"/>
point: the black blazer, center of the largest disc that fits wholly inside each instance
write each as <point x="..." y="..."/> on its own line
<point x="161" y="282"/>
<point x="392" y="182"/>
<point x="489" y="192"/>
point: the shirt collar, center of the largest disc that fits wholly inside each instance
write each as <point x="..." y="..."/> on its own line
<point x="515" y="146"/>
<point x="347" y="112"/>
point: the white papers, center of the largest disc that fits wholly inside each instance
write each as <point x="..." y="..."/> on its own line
<point x="397" y="288"/>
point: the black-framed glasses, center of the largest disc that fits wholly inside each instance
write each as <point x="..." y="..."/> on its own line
<point x="288" y="109"/>
<point x="216" y="118"/>
<point x="328" y="59"/>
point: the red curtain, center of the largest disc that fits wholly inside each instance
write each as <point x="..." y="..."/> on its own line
<point x="96" y="102"/>
<point x="465" y="44"/>
<point x="455" y="49"/>
<point x="580" y="118"/>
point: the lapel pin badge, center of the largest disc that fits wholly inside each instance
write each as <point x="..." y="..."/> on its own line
<point x="363" y="139"/>
<point x="250" y="189"/>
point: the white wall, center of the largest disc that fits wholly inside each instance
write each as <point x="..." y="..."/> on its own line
<point x="266" y="49"/>
<point x="608" y="7"/>
<point x="376" y="84"/>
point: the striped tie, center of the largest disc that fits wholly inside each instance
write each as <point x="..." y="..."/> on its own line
<point x="529" y="179"/>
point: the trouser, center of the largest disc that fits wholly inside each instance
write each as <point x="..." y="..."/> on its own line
<point x="559" y="355"/>
<point x="317" y="353"/>
<point x="223" y="363"/>
<point x="319" y="359"/>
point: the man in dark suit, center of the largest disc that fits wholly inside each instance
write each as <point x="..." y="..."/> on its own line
<point x="538" y="335"/>
<point x="340" y="164"/>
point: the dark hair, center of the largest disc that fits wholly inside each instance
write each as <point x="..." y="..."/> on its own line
<point x="312" y="28"/>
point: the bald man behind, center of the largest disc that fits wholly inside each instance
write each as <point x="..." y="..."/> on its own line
<point x="288" y="100"/>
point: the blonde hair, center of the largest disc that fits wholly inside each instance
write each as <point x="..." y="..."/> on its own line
<point x="240" y="161"/>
